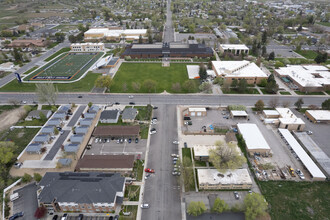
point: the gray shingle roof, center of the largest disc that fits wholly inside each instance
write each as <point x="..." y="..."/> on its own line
<point x="41" y="138"/>
<point x="33" y="148"/>
<point x="65" y="161"/>
<point x="54" y="122"/>
<point x="109" y="114"/>
<point x="71" y="148"/>
<point x="94" y="109"/>
<point x="63" y="109"/>
<point x="76" y="138"/>
<point x="81" y="130"/>
<point x="47" y="130"/>
<point x="129" y="113"/>
<point x="58" y="115"/>
<point x="86" y="121"/>
<point x="89" y="115"/>
<point x="36" y="113"/>
<point x="81" y="187"/>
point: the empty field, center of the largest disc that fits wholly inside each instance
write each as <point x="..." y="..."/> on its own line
<point x="67" y="67"/>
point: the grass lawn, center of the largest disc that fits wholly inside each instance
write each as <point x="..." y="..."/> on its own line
<point x="308" y="54"/>
<point x="263" y="90"/>
<point x="324" y="23"/>
<point x="129" y="208"/>
<point x="86" y="84"/>
<point x="295" y="61"/>
<point x="200" y="163"/>
<point x="34" y="122"/>
<point x="297" y="200"/>
<point x="144" y="129"/>
<point x="186" y="152"/>
<point x="248" y="91"/>
<point x="285" y="93"/>
<point x="4" y="108"/>
<point x="138" y="169"/>
<point x="328" y="92"/>
<point x="48" y="107"/>
<point x="31" y="70"/>
<point x="144" y="114"/>
<point x="65" y="49"/>
<point x="20" y="136"/>
<point x="132" y="192"/>
<point x="309" y="93"/>
<point x="139" y="72"/>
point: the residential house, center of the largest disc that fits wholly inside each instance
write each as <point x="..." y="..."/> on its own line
<point x="76" y="139"/>
<point x="34" y="148"/>
<point x="129" y="115"/>
<point x="48" y="130"/>
<point x="71" y="148"/>
<point x="35" y="114"/>
<point x="109" y="116"/>
<point x="41" y="138"/>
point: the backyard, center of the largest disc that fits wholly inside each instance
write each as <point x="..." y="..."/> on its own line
<point x="164" y="77"/>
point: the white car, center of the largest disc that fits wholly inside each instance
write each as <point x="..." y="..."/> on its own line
<point x="130" y="96"/>
<point x="153" y="131"/>
<point x="144" y="205"/>
<point x="176" y="142"/>
<point x="174" y="155"/>
<point x="96" y="140"/>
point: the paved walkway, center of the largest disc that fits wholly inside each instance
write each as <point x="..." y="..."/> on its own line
<point x="131" y="203"/>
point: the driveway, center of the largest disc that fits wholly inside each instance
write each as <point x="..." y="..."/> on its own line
<point x="27" y="202"/>
<point x="51" y="154"/>
<point x="76" y="116"/>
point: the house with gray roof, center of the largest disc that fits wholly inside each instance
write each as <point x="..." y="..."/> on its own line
<point x="59" y="115"/>
<point x="85" y="122"/>
<point x="81" y="130"/>
<point x="92" y="192"/>
<point x="109" y="116"/>
<point x="54" y="122"/>
<point x="35" y="114"/>
<point x="71" y="148"/>
<point x="41" y="138"/>
<point x="49" y="130"/>
<point x="64" y="109"/>
<point x="34" y="148"/>
<point x="76" y="139"/>
<point x="65" y="162"/>
<point x="90" y="115"/>
<point x="94" y="109"/>
<point x="129" y="115"/>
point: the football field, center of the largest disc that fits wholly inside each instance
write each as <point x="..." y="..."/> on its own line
<point x="66" y="67"/>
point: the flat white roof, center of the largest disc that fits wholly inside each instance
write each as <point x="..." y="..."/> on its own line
<point x="116" y="33"/>
<point x="214" y="177"/>
<point x="197" y="109"/>
<point x="307" y="75"/>
<point x="297" y="121"/>
<point x="320" y="115"/>
<point x="285" y="113"/>
<point x="193" y="71"/>
<point x="238" y="113"/>
<point x="238" y="69"/>
<point x="234" y="46"/>
<point x="271" y="112"/>
<point x="203" y="150"/>
<point x="87" y="44"/>
<point x="303" y="156"/>
<point x="211" y="73"/>
<point x="252" y="136"/>
<point x="96" y="30"/>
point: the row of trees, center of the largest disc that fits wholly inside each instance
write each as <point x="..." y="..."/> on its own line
<point x="254" y="206"/>
<point x="273" y="103"/>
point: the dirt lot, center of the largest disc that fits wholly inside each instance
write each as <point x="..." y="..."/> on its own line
<point x="9" y="118"/>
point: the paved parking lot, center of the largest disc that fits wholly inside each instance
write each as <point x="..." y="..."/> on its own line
<point x="113" y="148"/>
<point x="27" y="202"/>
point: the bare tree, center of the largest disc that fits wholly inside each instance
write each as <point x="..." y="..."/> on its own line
<point x="13" y="102"/>
<point x="136" y="86"/>
<point x="286" y="104"/>
<point x="273" y="103"/>
<point x="176" y="87"/>
<point x="46" y="92"/>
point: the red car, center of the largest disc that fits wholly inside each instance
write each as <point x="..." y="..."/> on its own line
<point x="148" y="170"/>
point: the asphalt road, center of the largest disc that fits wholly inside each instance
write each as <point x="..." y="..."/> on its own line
<point x="177" y="99"/>
<point x="33" y="62"/>
<point x="169" y="31"/>
<point x="76" y="116"/>
<point x="51" y="154"/>
<point x="27" y="202"/>
<point x="162" y="190"/>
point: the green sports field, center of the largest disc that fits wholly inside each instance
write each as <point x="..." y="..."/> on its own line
<point x="66" y="67"/>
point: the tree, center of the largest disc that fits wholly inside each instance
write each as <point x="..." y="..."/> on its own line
<point x="226" y="157"/>
<point x="46" y="92"/>
<point x="219" y="206"/>
<point x="264" y="38"/>
<point x="136" y="86"/>
<point x="242" y="85"/>
<point x="176" y="87"/>
<point x="42" y="116"/>
<point x="299" y="103"/>
<point x="326" y="104"/>
<point x="273" y="103"/>
<point x="202" y="71"/>
<point x="321" y="58"/>
<point x="124" y="87"/>
<point x="37" y="177"/>
<point x="26" y="178"/>
<point x="56" y="131"/>
<point x="72" y="39"/>
<point x="90" y="104"/>
<point x="219" y="81"/>
<point x="60" y="37"/>
<point x="272" y="87"/>
<point x="271" y="78"/>
<point x="259" y="105"/>
<point x="263" y="83"/>
<point x="189" y="86"/>
<point x="7" y="150"/>
<point x="103" y="82"/>
<point x="17" y="55"/>
<point x="140" y="39"/>
<point x="271" y="56"/>
<point x="206" y="87"/>
<point x="149" y="84"/>
<point x="196" y="208"/>
<point x="225" y="87"/>
<point x="255" y="205"/>
<point x="286" y="104"/>
<point x="234" y="83"/>
<point x="264" y="51"/>
<point x="279" y="64"/>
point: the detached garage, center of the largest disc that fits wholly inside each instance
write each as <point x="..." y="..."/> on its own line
<point x="199" y="112"/>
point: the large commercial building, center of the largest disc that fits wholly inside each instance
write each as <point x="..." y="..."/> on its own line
<point x="117" y="131"/>
<point x="306" y="78"/>
<point x="212" y="179"/>
<point x="29" y="43"/>
<point x="98" y="34"/>
<point x="81" y="192"/>
<point x="318" y="116"/>
<point x="238" y="70"/>
<point x="290" y="121"/>
<point x="254" y="140"/>
<point x="87" y="47"/>
<point x="235" y="49"/>
<point x="191" y="49"/>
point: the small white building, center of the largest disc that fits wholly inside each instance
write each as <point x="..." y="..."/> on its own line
<point x="235" y="49"/>
<point x="318" y="116"/>
<point x="197" y="112"/>
<point x="87" y="47"/>
<point x="270" y="114"/>
<point x="238" y="114"/>
<point x="289" y="121"/>
<point x="193" y="71"/>
<point x="212" y="179"/>
<point x="201" y="152"/>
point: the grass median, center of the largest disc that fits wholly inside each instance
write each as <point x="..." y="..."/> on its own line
<point x="63" y="50"/>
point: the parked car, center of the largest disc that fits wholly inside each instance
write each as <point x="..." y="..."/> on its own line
<point x="236" y="195"/>
<point x="80" y="96"/>
<point x="117" y="103"/>
<point x="80" y="217"/>
<point x="129" y="140"/>
<point x="144" y="205"/>
<point x="55" y="217"/>
<point x="111" y="218"/>
<point x="16" y="215"/>
<point x="136" y="140"/>
<point x="153" y="131"/>
<point x="176" y="142"/>
<point x="185" y="144"/>
<point x="155" y="107"/>
<point x="131" y="103"/>
<point x="300" y="174"/>
<point x="64" y="217"/>
<point x="174" y="155"/>
<point x="309" y="132"/>
<point x="130" y="96"/>
<point x="148" y="170"/>
<point x="116" y="217"/>
<point x="154" y="119"/>
<point x="147" y="176"/>
<point x="18" y="164"/>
